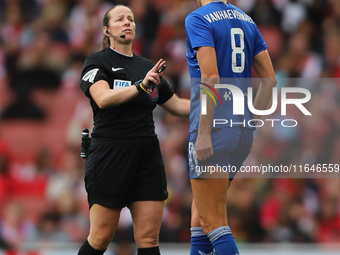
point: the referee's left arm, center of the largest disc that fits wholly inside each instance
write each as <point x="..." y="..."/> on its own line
<point x="177" y="106"/>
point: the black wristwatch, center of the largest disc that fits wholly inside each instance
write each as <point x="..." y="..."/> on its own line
<point x="137" y="84"/>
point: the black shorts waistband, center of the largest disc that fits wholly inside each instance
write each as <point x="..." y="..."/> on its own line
<point x="104" y="140"/>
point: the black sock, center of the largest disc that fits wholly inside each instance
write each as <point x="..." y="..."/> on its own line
<point x="149" y="251"/>
<point x="87" y="249"/>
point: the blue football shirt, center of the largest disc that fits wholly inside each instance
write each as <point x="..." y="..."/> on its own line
<point x="236" y="40"/>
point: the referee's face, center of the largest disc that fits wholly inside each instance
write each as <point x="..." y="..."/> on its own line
<point x="122" y="22"/>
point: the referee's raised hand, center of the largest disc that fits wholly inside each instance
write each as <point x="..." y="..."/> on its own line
<point x="153" y="76"/>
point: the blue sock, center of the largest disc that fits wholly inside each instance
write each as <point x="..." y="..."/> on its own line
<point x="223" y="241"/>
<point x="200" y="243"/>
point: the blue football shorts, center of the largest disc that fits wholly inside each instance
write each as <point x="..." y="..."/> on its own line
<point x="231" y="146"/>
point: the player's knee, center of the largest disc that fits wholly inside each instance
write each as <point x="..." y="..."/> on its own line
<point x="195" y="219"/>
<point x="204" y="226"/>
<point x="100" y="240"/>
<point x="210" y="222"/>
<point x="147" y="238"/>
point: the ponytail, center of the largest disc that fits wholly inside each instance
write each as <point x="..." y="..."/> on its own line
<point x="106" y="39"/>
<point x="105" y="43"/>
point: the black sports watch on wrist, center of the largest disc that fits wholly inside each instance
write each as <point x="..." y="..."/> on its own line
<point x="137" y="84"/>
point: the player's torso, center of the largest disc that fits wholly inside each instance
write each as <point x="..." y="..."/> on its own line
<point x="234" y="39"/>
<point x="234" y="36"/>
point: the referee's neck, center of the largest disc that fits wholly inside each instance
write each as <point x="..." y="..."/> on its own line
<point x="124" y="49"/>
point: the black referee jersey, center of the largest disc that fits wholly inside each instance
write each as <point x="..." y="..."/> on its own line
<point x="131" y="119"/>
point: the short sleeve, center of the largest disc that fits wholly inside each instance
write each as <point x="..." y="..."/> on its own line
<point x="92" y="72"/>
<point x="165" y="91"/>
<point x="260" y="44"/>
<point x="198" y="31"/>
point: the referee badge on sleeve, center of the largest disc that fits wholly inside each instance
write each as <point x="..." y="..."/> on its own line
<point x="154" y="94"/>
<point x="90" y="75"/>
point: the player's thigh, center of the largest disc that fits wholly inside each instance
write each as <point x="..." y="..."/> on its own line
<point x="147" y="219"/>
<point x="103" y="222"/>
<point x="210" y="197"/>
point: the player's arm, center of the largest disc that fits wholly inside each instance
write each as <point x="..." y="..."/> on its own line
<point x="207" y="61"/>
<point x="263" y="66"/>
<point x="177" y="106"/>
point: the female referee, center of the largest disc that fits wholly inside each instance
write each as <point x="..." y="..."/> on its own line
<point x="124" y="166"/>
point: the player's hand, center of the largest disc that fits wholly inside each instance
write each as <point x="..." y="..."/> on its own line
<point x="153" y="76"/>
<point x="204" y="149"/>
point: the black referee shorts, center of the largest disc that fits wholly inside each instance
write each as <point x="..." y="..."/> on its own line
<point x="119" y="172"/>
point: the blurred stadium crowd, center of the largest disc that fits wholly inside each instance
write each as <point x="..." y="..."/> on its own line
<point x="43" y="44"/>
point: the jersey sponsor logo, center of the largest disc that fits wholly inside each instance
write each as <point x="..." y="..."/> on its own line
<point x="154" y="94"/>
<point x="120" y="84"/>
<point x="117" y="69"/>
<point x="90" y="75"/>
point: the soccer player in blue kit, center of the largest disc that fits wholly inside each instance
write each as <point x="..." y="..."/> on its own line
<point x="222" y="43"/>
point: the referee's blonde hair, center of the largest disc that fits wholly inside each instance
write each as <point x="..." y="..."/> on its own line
<point x="106" y="40"/>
